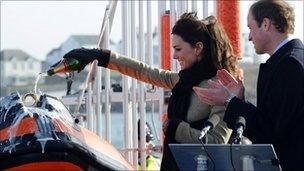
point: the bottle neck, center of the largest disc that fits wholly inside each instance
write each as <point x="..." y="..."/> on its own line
<point x="66" y="65"/>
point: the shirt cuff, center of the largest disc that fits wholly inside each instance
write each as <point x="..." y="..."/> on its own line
<point x="231" y="96"/>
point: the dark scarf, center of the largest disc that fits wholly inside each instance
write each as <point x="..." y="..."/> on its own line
<point x="179" y="103"/>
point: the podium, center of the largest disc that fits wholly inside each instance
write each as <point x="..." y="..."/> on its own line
<point x="244" y="157"/>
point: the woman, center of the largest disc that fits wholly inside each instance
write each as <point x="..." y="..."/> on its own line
<point x="201" y="48"/>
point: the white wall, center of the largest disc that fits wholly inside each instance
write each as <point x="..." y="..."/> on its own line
<point x="22" y="71"/>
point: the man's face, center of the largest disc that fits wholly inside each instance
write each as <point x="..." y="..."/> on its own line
<point x="257" y="35"/>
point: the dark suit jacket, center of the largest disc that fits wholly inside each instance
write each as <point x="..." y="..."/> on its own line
<point x="278" y="118"/>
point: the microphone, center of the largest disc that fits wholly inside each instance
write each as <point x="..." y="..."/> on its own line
<point x="239" y="127"/>
<point x="209" y="125"/>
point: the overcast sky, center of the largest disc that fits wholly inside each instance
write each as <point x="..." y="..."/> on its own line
<point x="39" y="26"/>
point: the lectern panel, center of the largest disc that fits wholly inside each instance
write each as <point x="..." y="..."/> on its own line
<point x="244" y="157"/>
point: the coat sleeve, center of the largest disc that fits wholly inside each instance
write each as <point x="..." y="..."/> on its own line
<point x="142" y="71"/>
<point x="282" y="107"/>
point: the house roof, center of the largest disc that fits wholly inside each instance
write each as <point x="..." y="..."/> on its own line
<point x="9" y="54"/>
<point x="53" y="50"/>
<point x="86" y="39"/>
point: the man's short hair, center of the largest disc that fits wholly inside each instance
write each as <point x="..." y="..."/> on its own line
<point x="279" y="12"/>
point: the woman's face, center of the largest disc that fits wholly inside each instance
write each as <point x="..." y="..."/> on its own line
<point x="184" y="52"/>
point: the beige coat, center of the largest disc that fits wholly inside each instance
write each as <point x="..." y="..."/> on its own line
<point x="167" y="79"/>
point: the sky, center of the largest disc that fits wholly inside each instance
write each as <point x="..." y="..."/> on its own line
<point x="39" y="26"/>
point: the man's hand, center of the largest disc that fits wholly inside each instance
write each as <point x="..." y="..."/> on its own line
<point x="217" y="94"/>
<point x="235" y="86"/>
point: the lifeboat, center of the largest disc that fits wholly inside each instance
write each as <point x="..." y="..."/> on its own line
<point x="41" y="134"/>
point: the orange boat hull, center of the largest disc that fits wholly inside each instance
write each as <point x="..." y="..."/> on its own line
<point x="45" y="137"/>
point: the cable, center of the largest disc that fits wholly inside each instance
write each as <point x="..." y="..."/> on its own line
<point x="208" y="154"/>
<point x="231" y="160"/>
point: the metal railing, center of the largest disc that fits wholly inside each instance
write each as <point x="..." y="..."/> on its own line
<point x="134" y="94"/>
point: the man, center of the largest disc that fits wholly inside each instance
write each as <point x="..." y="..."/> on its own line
<point x="279" y="115"/>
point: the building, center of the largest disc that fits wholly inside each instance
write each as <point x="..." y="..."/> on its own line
<point x="74" y="41"/>
<point x="18" y="68"/>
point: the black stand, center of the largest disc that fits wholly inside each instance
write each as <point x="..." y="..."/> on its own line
<point x="225" y="157"/>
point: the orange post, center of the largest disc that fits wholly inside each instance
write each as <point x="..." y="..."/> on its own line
<point x="165" y="55"/>
<point x="228" y="12"/>
<point x="165" y="41"/>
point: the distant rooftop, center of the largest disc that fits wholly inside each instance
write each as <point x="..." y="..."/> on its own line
<point x="86" y="39"/>
<point x="9" y="54"/>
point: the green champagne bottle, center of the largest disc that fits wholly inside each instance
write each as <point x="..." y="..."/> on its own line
<point x="65" y="65"/>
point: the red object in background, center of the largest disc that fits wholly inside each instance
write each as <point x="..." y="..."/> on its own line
<point x="47" y="165"/>
<point x="163" y="118"/>
<point x="228" y="13"/>
<point x="165" y="41"/>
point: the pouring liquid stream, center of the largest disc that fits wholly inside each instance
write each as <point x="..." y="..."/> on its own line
<point x="37" y="79"/>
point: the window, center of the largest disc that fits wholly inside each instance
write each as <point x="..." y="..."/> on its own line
<point x="30" y="64"/>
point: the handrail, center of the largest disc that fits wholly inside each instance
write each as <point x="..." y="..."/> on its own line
<point x="90" y="76"/>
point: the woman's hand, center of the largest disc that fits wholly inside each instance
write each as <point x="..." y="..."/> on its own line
<point x="86" y="56"/>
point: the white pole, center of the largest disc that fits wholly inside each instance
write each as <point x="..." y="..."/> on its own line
<point x="126" y="113"/>
<point x="150" y="52"/>
<point x="113" y="4"/>
<point x="141" y="91"/>
<point x="179" y="9"/>
<point x="149" y="34"/>
<point x="215" y="8"/>
<point x="98" y="101"/>
<point x="205" y="9"/>
<point x="134" y="83"/>
<point x="131" y="83"/>
<point x="172" y="22"/>
<point x="91" y="101"/>
<point x="105" y="44"/>
<point x="184" y="6"/>
<point x="161" y="11"/>
<point x="98" y="84"/>
<point x="89" y="108"/>
<point x="194" y="5"/>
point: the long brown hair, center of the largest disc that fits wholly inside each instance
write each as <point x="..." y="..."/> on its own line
<point x="209" y="31"/>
